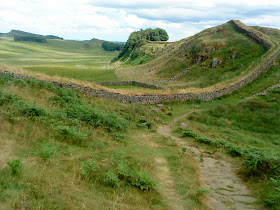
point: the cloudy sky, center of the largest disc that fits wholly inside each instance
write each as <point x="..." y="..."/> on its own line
<point x="114" y="20"/>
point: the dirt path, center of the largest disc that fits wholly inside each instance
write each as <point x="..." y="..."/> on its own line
<point x="227" y="189"/>
<point x="167" y="186"/>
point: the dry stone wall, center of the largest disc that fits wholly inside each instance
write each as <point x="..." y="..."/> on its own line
<point x="135" y="83"/>
<point x="151" y="99"/>
<point x="175" y="77"/>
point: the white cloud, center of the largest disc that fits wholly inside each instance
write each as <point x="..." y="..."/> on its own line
<point x="115" y="20"/>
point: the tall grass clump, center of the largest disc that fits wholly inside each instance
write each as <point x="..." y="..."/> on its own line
<point x="15" y="166"/>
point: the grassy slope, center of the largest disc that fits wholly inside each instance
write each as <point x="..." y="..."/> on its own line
<point x="72" y="59"/>
<point x="221" y="43"/>
<point x="248" y="125"/>
<point x="56" y="133"/>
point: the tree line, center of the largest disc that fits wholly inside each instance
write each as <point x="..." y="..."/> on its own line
<point x="112" y="46"/>
<point x="30" y="38"/>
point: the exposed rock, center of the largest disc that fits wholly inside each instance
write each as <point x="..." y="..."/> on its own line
<point x="214" y="63"/>
<point x="155" y="110"/>
<point x="159" y="105"/>
<point x="169" y="108"/>
<point x="208" y="50"/>
<point x="157" y="119"/>
<point x="184" y="125"/>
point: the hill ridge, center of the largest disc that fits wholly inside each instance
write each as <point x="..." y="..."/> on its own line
<point x="205" y="94"/>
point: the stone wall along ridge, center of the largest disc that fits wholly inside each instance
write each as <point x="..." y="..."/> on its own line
<point x="152" y="99"/>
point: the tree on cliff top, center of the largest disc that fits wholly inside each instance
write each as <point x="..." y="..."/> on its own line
<point x="139" y="38"/>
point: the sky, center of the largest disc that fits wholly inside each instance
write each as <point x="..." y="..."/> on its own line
<point x="114" y="20"/>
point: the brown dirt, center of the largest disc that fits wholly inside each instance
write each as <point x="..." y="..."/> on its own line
<point x="167" y="186"/>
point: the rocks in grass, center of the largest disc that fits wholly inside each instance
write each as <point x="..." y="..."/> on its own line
<point x="214" y="63"/>
<point x="184" y="125"/>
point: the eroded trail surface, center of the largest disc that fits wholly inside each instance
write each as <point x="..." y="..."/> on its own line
<point x="227" y="189"/>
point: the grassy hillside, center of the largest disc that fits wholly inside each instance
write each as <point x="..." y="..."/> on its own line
<point x="84" y="60"/>
<point x="233" y="51"/>
<point x="246" y="129"/>
<point x="60" y="149"/>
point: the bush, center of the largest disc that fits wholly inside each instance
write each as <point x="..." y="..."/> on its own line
<point x="70" y="134"/>
<point x="142" y="180"/>
<point x="145" y="123"/>
<point x="95" y="117"/>
<point x="30" y="38"/>
<point x="139" y="179"/>
<point x="6" y="98"/>
<point x="15" y="165"/>
<point x="112" y="179"/>
<point x="112" y="46"/>
<point x="47" y="151"/>
<point x="88" y="170"/>
<point x="274" y="198"/>
<point x="33" y="111"/>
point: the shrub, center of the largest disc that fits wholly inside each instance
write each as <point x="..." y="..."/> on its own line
<point x="65" y="97"/>
<point x="112" y="179"/>
<point x="15" y="165"/>
<point x="88" y="169"/>
<point x="142" y="180"/>
<point x="33" y="110"/>
<point x="95" y="117"/>
<point x="124" y="171"/>
<point x="30" y="38"/>
<point x="6" y="98"/>
<point x="47" y="151"/>
<point x="274" y="199"/>
<point x="70" y="134"/>
<point x="143" y="123"/>
<point x="112" y="46"/>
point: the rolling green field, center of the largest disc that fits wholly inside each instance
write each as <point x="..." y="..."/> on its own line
<point x="61" y="149"/>
<point x="245" y="129"/>
<point x="73" y="59"/>
<point x="235" y="52"/>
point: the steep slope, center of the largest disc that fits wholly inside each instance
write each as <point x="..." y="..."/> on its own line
<point x="216" y="55"/>
<point x="62" y="149"/>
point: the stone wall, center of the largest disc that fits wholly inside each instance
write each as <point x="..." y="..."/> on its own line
<point x="175" y="77"/>
<point x="151" y="99"/>
<point x="251" y="34"/>
<point x="135" y="83"/>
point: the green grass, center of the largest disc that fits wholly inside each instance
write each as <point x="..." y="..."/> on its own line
<point x="61" y="149"/>
<point x="249" y="129"/>
<point x="197" y="52"/>
<point x="226" y="42"/>
<point x="72" y="59"/>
